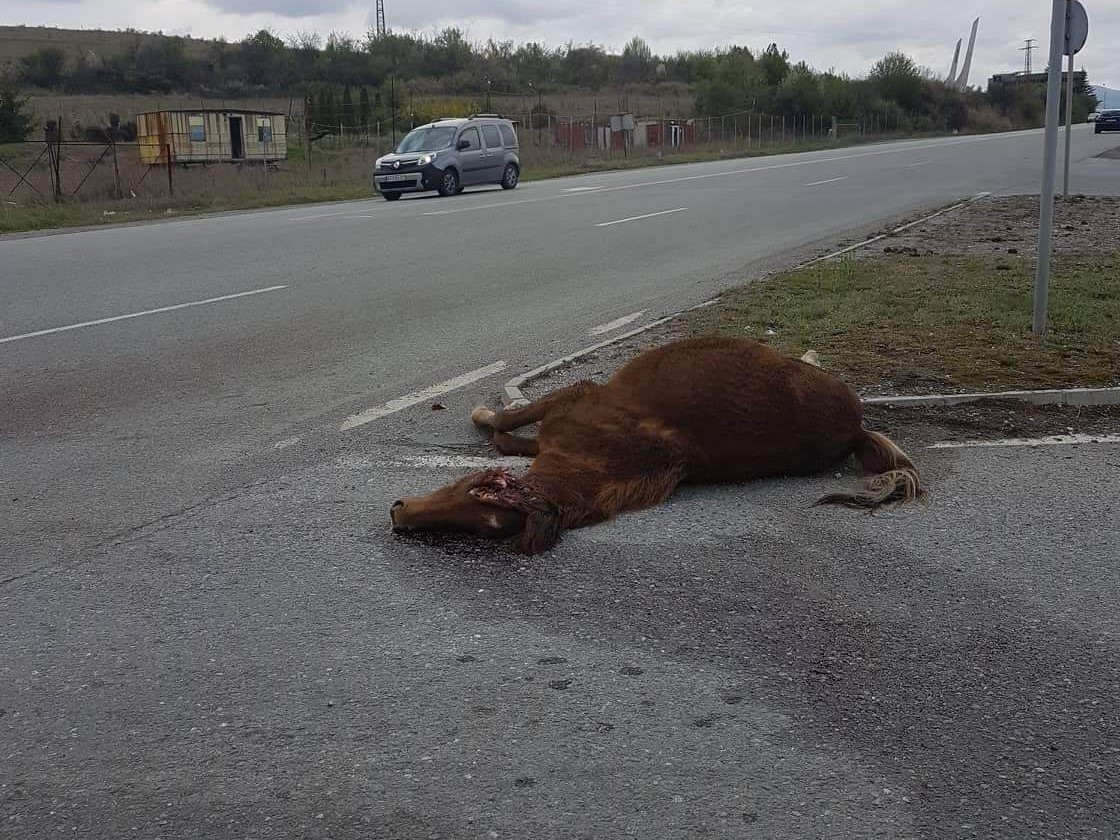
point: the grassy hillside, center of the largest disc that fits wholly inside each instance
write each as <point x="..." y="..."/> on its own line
<point x="19" y="41"/>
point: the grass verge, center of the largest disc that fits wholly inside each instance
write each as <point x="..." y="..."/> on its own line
<point x="906" y="324"/>
<point x="47" y="216"/>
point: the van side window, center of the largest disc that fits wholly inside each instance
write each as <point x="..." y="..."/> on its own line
<point x="508" y="137"/>
<point x="490" y="135"/>
<point x="471" y="136"/>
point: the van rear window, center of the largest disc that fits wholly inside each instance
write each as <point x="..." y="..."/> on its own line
<point x="508" y="137"/>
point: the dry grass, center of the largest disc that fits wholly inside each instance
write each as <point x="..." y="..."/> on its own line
<point x="19" y="41"/>
<point x="902" y="324"/>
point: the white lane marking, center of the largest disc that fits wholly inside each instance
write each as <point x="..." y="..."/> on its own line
<point x="611" y="326"/>
<point x="475" y="207"/>
<point x="1054" y="440"/>
<point x="827" y="181"/>
<point x="139" y="314"/>
<point x="581" y="189"/>
<point x="319" y="216"/>
<point x="919" y="163"/>
<point x="417" y="397"/>
<point x="286" y="444"/>
<point x="465" y="462"/>
<point x="643" y="216"/>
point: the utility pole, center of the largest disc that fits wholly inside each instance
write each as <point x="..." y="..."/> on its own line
<point x="1028" y="49"/>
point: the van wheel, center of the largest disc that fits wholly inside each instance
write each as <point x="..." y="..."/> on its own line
<point x="449" y="183"/>
<point x="391" y="196"/>
<point x="510" y="177"/>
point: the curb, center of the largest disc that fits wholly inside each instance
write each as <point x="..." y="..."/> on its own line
<point x="1069" y="396"/>
<point x="513" y="397"/>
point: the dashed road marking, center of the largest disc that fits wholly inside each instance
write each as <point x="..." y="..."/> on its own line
<point x="617" y="323"/>
<point x="643" y="216"/>
<point x="158" y="311"/>
<point x="827" y="181"/>
<point x="417" y="397"/>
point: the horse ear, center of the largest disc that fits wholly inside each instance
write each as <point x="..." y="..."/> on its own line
<point x="542" y="532"/>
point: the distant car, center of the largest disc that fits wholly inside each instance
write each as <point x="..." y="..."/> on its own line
<point x="1107" y="121"/>
<point x="448" y="155"/>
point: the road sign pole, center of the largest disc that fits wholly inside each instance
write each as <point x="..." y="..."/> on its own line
<point x="1049" y="164"/>
<point x="1069" y="107"/>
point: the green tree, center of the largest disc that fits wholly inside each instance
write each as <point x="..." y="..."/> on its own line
<point x="45" y="68"/>
<point x="774" y="64"/>
<point x="637" y="61"/>
<point x="896" y="77"/>
<point x="328" y="114"/>
<point x="346" y="108"/>
<point x="263" y="57"/>
<point x="15" y="113"/>
<point x="364" y="110"/>
<point x="799" y="93"/>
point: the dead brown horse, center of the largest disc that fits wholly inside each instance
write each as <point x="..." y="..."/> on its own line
<point x="698" y="411"/>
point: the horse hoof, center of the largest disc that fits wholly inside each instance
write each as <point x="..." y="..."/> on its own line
<point x="811" y="358"/>
<point x="483" y="417"/>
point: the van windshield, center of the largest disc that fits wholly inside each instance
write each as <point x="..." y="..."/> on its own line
<point x="428" y="139"/>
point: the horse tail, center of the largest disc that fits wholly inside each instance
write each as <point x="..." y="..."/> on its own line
<point x="893" y="479"/>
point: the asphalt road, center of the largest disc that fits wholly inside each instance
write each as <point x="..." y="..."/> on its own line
<point x="208" y="631"/>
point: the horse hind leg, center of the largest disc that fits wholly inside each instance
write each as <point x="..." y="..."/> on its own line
<point x="509" y="444"/>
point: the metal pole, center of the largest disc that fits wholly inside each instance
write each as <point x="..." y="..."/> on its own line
<point x="1049" y="164"/>
<point x="117" y="193"/>
<point x="1069" y="116"/>
<point x="170" y="183"/>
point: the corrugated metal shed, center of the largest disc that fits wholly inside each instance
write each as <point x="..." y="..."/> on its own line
<point x="211" y="136"/>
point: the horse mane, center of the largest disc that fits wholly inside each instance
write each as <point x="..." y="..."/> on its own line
<point x="543" y="518"/>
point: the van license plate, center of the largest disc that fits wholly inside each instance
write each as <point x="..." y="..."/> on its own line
<point x="398" y="178"/>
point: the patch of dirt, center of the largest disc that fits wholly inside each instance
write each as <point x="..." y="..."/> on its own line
<point x="1009" y="225"/>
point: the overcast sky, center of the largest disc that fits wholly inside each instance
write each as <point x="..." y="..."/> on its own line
<point x="848" y="35"/>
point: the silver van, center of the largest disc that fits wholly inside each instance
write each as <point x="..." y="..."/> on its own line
<point x="448" y="155"/>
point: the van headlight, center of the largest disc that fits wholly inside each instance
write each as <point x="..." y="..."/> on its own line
<point x="426" y="159"/>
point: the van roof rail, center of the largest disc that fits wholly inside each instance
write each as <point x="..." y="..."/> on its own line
<point x="486" y="116"/>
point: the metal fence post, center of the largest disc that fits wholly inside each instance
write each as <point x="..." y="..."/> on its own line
<point x="170" y="181"/>
<point x="116" y="173"/>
